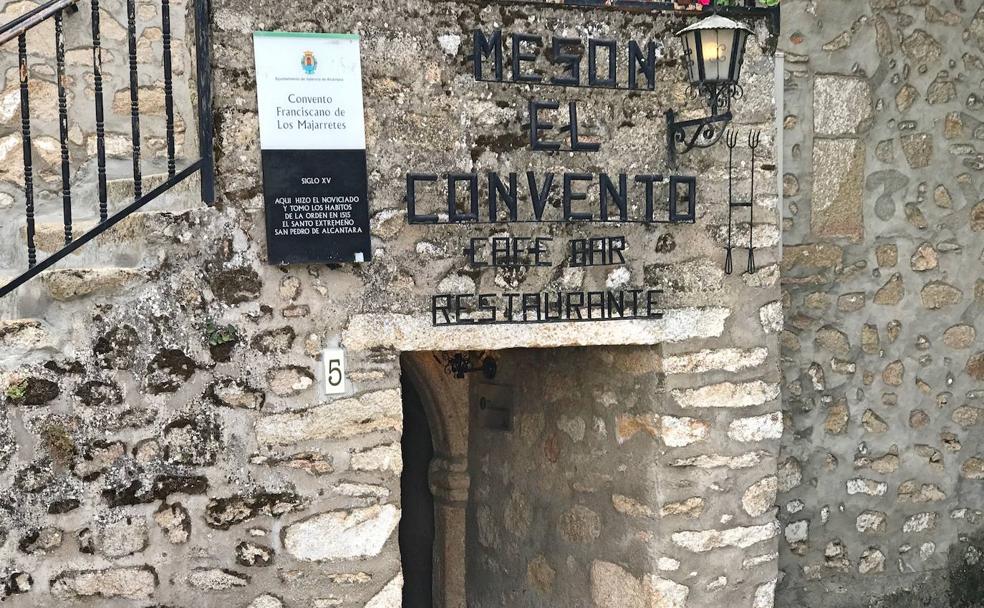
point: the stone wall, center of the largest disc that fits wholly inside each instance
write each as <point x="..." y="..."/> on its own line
<point x="881" y="476"/>
<point x="614" y="490"/>
<point x="166" y="440"/>
<point x="564" y="496"/>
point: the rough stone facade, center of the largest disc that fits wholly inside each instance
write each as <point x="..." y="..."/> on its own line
<point x="569" y="508"/>
<point x="166" y="440"/>
<point x="880" y="480"/>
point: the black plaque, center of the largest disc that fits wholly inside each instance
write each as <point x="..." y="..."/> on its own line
<point x="316" y="206"/>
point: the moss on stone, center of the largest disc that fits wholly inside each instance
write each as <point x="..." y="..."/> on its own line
<point x="58" y="442"/>
<point x="16" y="390"/>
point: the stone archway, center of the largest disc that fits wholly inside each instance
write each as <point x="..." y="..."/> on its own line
<point x="445" y="401"/>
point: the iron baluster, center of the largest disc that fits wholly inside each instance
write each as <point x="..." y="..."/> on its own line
<point x="203" y="66"/>
<point x="32" y="254"/>
<point x="168" y="85"/>
<point x="131" y="31"/>
<point x="731" y="141"/>
<point x="100" y="113"/>
<point x="753" y="142"/>
<point x="63" y="127"/>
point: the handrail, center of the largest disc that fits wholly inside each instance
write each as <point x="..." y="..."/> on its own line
<point x="111" y="221"/>
<point x="19" y="25"/>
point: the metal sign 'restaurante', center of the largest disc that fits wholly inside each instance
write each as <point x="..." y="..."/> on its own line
<point x="313" y="147"/>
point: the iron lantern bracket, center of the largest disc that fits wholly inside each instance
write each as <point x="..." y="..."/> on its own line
<point x="685" y="135"/>
<point x="459" y="364"/>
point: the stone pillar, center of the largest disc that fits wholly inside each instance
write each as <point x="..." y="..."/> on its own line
<point x="720" y="428"/>
<point x="880" y="478"/>
<point x="449" y="482"/>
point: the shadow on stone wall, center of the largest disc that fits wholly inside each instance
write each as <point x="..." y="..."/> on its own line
<point x="960" y="585"/>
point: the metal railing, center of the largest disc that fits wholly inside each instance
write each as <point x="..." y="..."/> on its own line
<point x="60" y="11"/>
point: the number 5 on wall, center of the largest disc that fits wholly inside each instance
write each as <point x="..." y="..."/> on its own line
<point x="334" y="361"/>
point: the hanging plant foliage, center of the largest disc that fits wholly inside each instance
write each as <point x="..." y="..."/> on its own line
<point x="698" y="4"/>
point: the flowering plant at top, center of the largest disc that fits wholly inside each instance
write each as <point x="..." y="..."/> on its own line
<point x="685" y="4"/>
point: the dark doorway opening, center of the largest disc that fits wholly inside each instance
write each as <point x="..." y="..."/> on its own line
<point x="417" y="521"/>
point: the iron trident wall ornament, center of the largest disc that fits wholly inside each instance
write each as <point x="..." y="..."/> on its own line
<point x="713" y="53"/>
<point x="731" y="140"/>
<point x="753" y="141"/>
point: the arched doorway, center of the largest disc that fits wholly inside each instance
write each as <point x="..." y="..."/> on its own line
<point x="535" y="476"/>
<point x="434" y="482"/>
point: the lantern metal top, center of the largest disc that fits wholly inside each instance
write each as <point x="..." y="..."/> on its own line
<point x="716" y="22"/>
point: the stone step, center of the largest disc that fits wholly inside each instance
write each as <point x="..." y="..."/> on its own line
<point x="141" y="227"/>
<point x="120" y="191"/>
<point x="138" y="228"/>
<point x="111" y="259"/>
<point x="58" y="285"/>
<point x="65" y="284"/>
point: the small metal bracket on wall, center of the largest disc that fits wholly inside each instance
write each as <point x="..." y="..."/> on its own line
<point x="731" y="140"/>
<point x="703" y="133"/>
<point x="497" y="418"/>
<point x="460" y="364"/>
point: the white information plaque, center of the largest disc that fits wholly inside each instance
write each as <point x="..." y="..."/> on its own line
<point x="313" y="146"/>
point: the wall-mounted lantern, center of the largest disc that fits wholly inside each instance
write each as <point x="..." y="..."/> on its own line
<point x="713" y="52"/>
<point x="459" y="364"/>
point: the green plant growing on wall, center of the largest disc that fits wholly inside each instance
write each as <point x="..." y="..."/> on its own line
<point x="218" y="335"/>
<point x="16" y="390"/>
<point x="765" y="3"/>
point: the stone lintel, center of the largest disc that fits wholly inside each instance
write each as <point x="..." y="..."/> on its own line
<point x="413" y="333"/>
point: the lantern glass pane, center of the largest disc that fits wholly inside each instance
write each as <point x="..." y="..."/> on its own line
<point x="741" y="37"/>
<point x="716" y="46"/>
<point x="690" y="58"/>
<point x="713" y="56"/>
